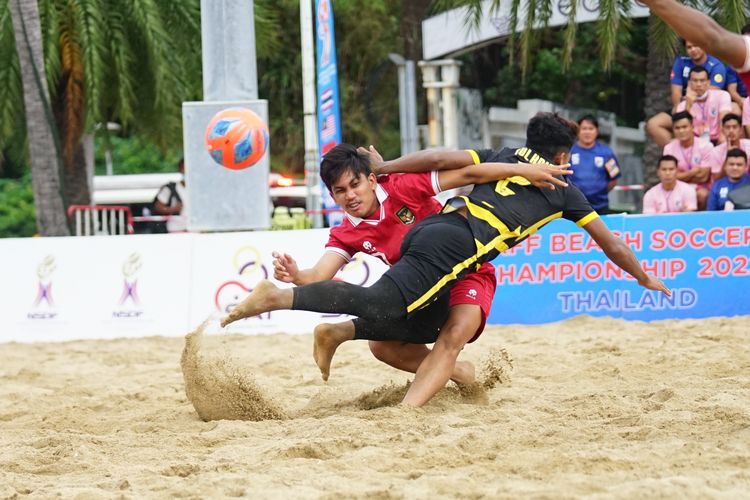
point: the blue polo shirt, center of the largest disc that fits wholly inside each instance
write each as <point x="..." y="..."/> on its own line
<point x="721" y="189"/>
<point x="717" y="72"/>
<point x="590" y="174"/>
<point x="733" y="77"/>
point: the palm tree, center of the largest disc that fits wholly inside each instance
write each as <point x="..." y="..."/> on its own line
<point x="613" y="17"/>
<point x="43" y="144"/>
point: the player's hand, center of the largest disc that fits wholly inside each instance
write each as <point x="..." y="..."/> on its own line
<point x="546" y="176"/>
<point x="285" y="268"/>
<point x="376" y="159"/>
<point x="653" y="283"/>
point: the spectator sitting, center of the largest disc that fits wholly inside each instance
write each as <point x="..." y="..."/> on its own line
<point x="671" y="194"/>
<point x="659" y="126"/>
<point x="595" y="168"/>
<point x="692" y="156"/>
<point x="746" y="116"/>
<point x="708" y="106"/>
<point x="732" y="130"/>
<point x="170" y="200"/>
<point x="735" y="168"/>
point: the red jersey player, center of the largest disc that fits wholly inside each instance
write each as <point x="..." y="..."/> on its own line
<point x="379" y="213"/>
<point x="699" y="28"/>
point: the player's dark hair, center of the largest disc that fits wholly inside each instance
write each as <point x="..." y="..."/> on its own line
<point x="697" y="69"/>
<point x="341" y="158"/>
<point x="731" y="116"/>
<point x="736" y="153"/>
<point x="682" y="115"/>
<point x="589" y="118"/>
<point x="549" y="134"/>
<point x="745" y="29"/>
<point x="666" y="158"/>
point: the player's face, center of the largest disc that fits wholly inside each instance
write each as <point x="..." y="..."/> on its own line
<point x="735" y="167"/>
<point x="587" y="133"/>
<point x="694" y="52"/>
<point x="356" y="195"/>
<point x="667" y="173"/>
<point x="732" y="130"/>
<point x="698" y="82"/>
<point x="683" y="129"/>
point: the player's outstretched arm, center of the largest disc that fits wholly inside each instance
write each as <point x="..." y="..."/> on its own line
<point x="540" y="175"/>
<point x="285" y="268"/>
<point x="421" y="161"/>
<point x="619" y="253"/>
<point x="700" y="29"/>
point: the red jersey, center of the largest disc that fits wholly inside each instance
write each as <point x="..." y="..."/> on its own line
<point x="744" y="71"/>
<point x="405" y="199"/>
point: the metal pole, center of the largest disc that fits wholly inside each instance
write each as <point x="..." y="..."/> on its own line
<point x="312" y="174"/>
<point x="412" y="139"/>
<point x="450" y="74"/>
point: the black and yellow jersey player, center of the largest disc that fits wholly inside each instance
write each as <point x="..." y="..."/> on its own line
<point x="472" y="229"/>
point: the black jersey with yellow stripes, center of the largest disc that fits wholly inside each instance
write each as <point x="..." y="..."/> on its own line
<point x="503" y="213"/>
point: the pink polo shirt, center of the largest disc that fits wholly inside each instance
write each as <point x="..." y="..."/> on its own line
<point x="707" y="112"/>
<point x="658" y="200"/>
<point x="696" y="155"/>
<point x="746" y="112"/>
<point x="718" y="155"/>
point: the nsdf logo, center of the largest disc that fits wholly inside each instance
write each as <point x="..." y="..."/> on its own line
<point x="43" y="306"/>
<point x="128" y="305"/>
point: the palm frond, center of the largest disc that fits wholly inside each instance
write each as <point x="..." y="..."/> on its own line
<point x="90" y="32"/>
<point x="662" y="38"/>
<point x="732" y="14"/>
<point x="50" y="24"/>
<point x="569" y="36"/>
<point x="11" y="90"/>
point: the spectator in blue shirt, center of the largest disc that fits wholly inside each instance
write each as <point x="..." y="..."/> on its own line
<point x="659" y="126"/>
<point x="735" y="168"/>
<point x="594" y="165"/>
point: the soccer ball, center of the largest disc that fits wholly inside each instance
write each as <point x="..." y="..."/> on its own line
<point x="236" y="138"/>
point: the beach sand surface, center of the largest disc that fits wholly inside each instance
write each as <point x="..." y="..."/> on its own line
<point x="594" y="407"/>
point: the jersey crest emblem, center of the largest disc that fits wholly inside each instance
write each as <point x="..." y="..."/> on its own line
<point x="599" y="161"/>
<point x="405" y="215"/>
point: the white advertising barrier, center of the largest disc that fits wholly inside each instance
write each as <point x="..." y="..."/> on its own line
<point x="57" y="289"/>
<point x="227" y="266"/>
<point x="94" y="287"/>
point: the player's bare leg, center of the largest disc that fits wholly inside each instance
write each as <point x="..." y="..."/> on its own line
<point x="327" y="338"/>
<point x="408" y="357"/>
<point x="440" y="364"/>
<point x="265" y="297"/>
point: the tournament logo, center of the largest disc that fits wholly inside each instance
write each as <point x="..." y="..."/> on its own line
<point x="250" y="270"/>
<point x="405" y="215"/>
<point x="43" y="298"/>
<point x="129" y="295"/>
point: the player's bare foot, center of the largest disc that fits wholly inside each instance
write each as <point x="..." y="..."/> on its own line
<point x="327" y="338"/>
<point x="464" y="373"/>
<point x="265" y="297"/>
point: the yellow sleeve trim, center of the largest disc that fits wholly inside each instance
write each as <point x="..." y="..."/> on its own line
<point x="587" y="219"/>
<point x="474" y="156"/>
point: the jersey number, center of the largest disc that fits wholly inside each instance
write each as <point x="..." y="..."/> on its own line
<point x="502" y="188"/>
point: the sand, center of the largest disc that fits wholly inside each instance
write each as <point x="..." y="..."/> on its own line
<point x="593" y="407"/>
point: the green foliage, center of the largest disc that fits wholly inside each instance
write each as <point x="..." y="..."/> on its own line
<point x="586" y="84"/>
<point x="17" y="215"/>
<point x="134" y="155"/>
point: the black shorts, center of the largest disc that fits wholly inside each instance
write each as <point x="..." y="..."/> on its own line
<point x="435" y="253"/>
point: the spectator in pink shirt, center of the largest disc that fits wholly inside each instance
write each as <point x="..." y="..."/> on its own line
<point x="692" y="156"/>
<point x="746" y="116"/>
<point x="732" y="130"/>
<point x="670" y="195"/>
<point x="708" y="106"/>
